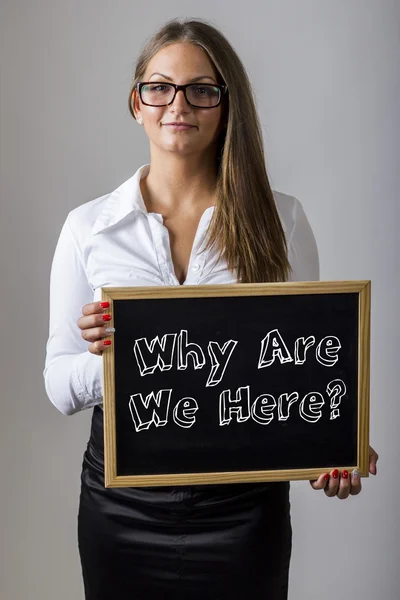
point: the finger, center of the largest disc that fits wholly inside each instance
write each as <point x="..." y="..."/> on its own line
<point x="344" y="486"/>
<point x="93" y="320"/>
<point x="320" y="483"/>
<point x="355" y="488"/>
<point x="373" y="459"/>
<point x="99" y="346"/>
<point x="333" y="485"/>
<point x="95" y="307"/>
<point x="97" y="333"/>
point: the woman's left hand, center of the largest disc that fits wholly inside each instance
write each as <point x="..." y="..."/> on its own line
<point x="344" y="484"/>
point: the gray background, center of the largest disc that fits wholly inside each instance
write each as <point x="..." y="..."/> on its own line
<point x="326" y="76"/>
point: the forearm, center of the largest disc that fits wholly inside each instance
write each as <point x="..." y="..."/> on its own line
<point x="74" y="382"/>
<point x="73" y="376"/>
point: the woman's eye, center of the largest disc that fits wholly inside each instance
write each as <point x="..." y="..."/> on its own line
<point x="157" y="88"/>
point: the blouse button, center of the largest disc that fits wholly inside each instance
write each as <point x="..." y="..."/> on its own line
<point x="196" y="267"/>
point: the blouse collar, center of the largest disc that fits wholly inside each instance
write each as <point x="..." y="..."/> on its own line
<point x="122" y="201"/>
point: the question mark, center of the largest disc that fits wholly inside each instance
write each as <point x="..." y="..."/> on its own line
<point x="336" y="390"/>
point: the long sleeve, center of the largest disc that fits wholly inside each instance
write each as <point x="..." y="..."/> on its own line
<point x="302" y="248"/>
<point x="73" y="376"/>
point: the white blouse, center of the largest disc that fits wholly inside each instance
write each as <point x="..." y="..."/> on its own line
<point x="114" y="241"/>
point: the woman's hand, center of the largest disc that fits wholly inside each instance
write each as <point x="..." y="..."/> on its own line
<point x="95" y="326"/>
<point x="342" y="484"/>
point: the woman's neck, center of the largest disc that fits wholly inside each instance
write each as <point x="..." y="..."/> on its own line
<point x="179" y="184"/>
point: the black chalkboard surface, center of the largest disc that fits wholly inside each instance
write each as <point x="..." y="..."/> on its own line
<point x="244" y="382"/>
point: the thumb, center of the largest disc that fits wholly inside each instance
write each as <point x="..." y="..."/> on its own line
<point x="320" y="483"/>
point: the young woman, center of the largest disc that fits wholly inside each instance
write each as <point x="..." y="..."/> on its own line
<point x="202" y="212"/>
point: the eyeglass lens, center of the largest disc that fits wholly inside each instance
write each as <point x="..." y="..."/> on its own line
<point x="202" y="95"/>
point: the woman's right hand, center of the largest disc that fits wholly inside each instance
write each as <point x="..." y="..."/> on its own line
<point x="96" y="327"/>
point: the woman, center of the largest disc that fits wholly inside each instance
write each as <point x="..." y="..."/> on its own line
<point x="206" y="182"/>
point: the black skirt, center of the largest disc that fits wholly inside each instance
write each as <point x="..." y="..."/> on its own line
<point x="183" y="543"/>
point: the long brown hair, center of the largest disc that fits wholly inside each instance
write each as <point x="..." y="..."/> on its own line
<point x="245" y="227"/>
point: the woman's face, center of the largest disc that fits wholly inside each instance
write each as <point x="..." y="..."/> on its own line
<point x="180" y="63"/>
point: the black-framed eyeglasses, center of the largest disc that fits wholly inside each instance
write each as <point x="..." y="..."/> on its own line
<point x="198" y="95"/>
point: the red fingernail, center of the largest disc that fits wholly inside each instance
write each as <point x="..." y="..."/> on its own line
<point x="345" y="474"/>
<point x="106" y="317"/>
<point x="326" y="477"/>
<point x="104" y="304"/>
<point x="107" y="343"/>
<point x="335" y="474"/>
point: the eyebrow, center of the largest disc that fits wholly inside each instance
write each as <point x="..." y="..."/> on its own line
<point x="190" y="81"/>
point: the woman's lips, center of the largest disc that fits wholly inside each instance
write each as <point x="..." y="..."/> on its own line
<point x="178" y="127"/>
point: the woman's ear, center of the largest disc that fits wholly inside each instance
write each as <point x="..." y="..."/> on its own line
<point x="135" y="104"/>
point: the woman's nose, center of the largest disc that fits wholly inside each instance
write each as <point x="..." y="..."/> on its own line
<point x="180" y="101"/>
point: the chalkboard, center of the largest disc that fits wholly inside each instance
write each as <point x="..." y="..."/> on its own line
<point x="242" y="382"/>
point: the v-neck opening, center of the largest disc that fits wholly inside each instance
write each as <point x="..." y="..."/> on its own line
<point x="197" y="243"/>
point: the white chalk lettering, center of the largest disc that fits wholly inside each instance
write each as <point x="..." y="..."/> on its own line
<point x="273" y="346"/>
<point x="219" y="360"/>
<point x="152" y="410"/>
<point x="185" y="349"/>
<point x="300" y="349"/>
<point x="240" y="405"/>
<point x="157" y="354"/>
<point x="327" y="350"/>
<point x="184" y="412"/>
<point x="261" y="410"/>
<point x="310" y="407"/>
<point x="336" y="389"/>
<point x="285" y="401"/>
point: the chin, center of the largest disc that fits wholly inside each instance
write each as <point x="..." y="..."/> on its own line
<point x="179" y="147"/>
